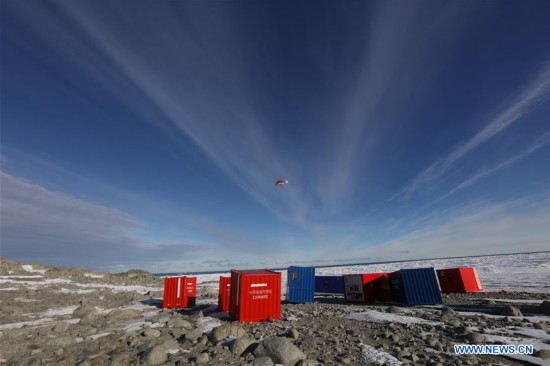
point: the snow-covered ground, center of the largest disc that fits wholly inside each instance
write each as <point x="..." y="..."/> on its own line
<point x="515" y="272"/>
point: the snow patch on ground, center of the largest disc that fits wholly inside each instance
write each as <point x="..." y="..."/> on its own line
<point x="89" y="286"/>
<point x="49" y="281"/>
<point x="376" y="357"/>
<point x="20" y="299"/>
<point x="21" y="276"/>
<point x="379" y="317"/>
<point x="68" y="310"/>
<point x="30" y="323"/>
<point x="135" y="325"/>
<point x="139" y="306"/>
<point x="538" y="344"/>
<point x="532" y="319"/>
<point x="535" y="337"/>
<point x="207" y="324"/>
<point x="29" y="268"/>
<point x="75" y="291"/>
<point x="120" y="288"/>
<point x="91" y="275"/>
<point x="519" y="301"/>
<point x="534" y="333"/>
<point x="98" y="335"/>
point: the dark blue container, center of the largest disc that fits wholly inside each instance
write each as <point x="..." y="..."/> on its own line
<point x="329" y="285"/>
<point x="300" y="284"/>
<point x="418" y="286"/>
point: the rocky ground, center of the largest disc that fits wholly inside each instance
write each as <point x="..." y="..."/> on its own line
<point x="77" y="317"/>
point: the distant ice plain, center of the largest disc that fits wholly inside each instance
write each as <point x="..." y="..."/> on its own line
<point x="514" y="272"/>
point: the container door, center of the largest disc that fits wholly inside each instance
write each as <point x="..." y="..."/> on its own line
<point x="396" y="287"/>
<point x="171" y="296"/>
<point x="354" y="288"/>
<point x="190" y="292"/>
<point x="235" y="295"/>
<point x="292" y="281"/>
<point x="224" y="294"/>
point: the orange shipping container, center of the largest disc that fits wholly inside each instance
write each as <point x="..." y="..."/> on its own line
<point x="255" y="295"/>
<point x="461" y="280"/>
<point x="179" y="292"/>
<point x="224" y="293"/>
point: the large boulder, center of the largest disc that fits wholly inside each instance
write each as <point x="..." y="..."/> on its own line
<point x="240" y="345"/>
<point x="202" y="358"/>
<point x="126" y="314"/>
<point x="280" y="350"/>
<point x="93" y="319"/>
<point x="262" y="361"/>
<point x="510" y="310"/>
<point x="194" y="335"/>
<point x="226" y="330"/>
<point x="179" y="323"/>
<point x="82" y="310"/>
<point x="158" y="354"/>
<point x="61" y="327"/>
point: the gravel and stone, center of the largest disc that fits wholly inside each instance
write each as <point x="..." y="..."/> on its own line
<point x="72" y="316"/>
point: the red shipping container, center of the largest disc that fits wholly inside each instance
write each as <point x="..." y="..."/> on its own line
<point x="460" y="280"/>
<point x="255" y="295"/>
<point x="224" y="293"/>
<point x="179" y="292"/>
<point x="368" y="287"/>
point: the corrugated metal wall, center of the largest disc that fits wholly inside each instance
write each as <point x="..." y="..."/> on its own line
<point x="179" y="292"/>
<point x="368" y="287"/>
<point x="329" y="285"/>
<point x="353" y="288"/>
<point x="300" y="284"/>
<point x="255" y="295"/>
<point x="418" y="286"/>
<point x="224" y="293"/>
<point x="459" y="280"/>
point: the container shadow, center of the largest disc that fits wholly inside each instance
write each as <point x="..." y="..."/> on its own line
<point x="153" y="302"/>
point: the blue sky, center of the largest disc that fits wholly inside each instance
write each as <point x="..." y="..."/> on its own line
<point x="148" y="134"/>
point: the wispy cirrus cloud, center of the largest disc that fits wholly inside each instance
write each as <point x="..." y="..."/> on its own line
<point x="537" y="91"/>
<point x="539" y="143"/>
<point x="515" y="225"/>
<point x="384" y="80"/>
<point x="213" y="101"/>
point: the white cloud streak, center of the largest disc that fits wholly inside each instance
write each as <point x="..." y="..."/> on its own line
<point x="534" y="93"/>
<point x="388" y="73"/>
<point x="536" y="145"/>
<point x="203" y="97"/>
<point x="515" y="226"/>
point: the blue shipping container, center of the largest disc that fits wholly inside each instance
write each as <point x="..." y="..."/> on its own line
<point x="329" y="285"/>
<point x="418" y="286"/>
<point x="300" y="284"/>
